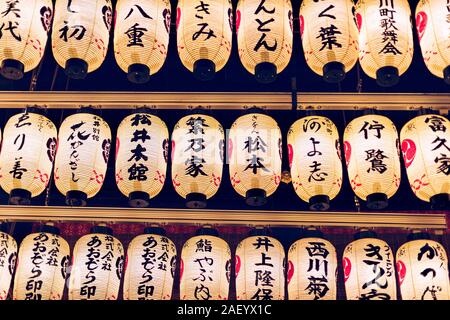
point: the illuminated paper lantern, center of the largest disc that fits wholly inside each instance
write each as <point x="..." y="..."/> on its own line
<point x="204" y="35"/>
<point x="42" y="266"/>
<point x="422" y="269"/>
<point x="26" y="160"/>
<point x="264" y="34"/>
<point x="205" y="267"/>
<point x="260" y="265"/>
<point x="8" y="257"/>
<point x="254" y="153"/>
<point x="84" y="142"/>
<point x="433" y="29"/>
<point x="315" y="160"/>
<point x="372" y="155"/>
<point x="23" y="36"/>
<point x="385" y="39"/>
<point x="97" y="266"/>
<point x="369" y="269"/>
<point x="141" y="157"/>
<point x="329" y="37"/>
<point x="80" y="35"/>
<point x="141" y="37"/>
<point x="425" y="142"/>
<point x="197" y="158"/>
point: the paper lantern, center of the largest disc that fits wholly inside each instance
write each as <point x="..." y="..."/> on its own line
<point x="42" y="266"/>
<point x="84" y="143"/>
<point x="24" y="29"/>
<point x="369" y="269"/>
<point x="433" y="28"/>
<point x="385" y="39"/>
<point x="426" y="151"/>
<point x="197" y="158"/>
<point x="26" y="160"/>
<point x="141" y="157"/>
<point x="97" y="265"/>
<point x="264" y="34"/>
<point x="8" y="257"/>
<point x="141" y="37"/>
<point x="422" y="268"/>
<point x="312" y="269"/>
<point x="315" y="160"/>
<point x="204" y="35"/>
<point x="205" y="267"/>
<point x="80" y="35"/>
<point x="372" y="155"/>
<point x="254" y="152"/>
<point x="329" y="37"/>
<point x="150" y="266"/>
<point x="260" y="265"/>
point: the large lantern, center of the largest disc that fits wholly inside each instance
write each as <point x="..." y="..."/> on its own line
<point x="425" y="142"/>
<point x="385" y="39"/>
<point x="26" y="160"/>
<point x="80" y="35"/>
<point x="204" y="35"/>
<point x="255" y="151"/>
<point x="264" y="33"/>
<point x="422" y="268"/>
<point x="312" y="269"/>
<point x="141" y="157"/>
<point x="329" y="37"/>
<point x="315" y="160"/>
<point x="42" y="265"/>
<point x="141" y="37"/>
<point x="97" y="266"/>
<point x="260" y="266"/>
<point x="8" y="257"/>
<point x="369" y="269"/>
<point x="23" y="37"/>
<point x="197" y="158"/>
<point x="433" y="28"/>
<point x="84" y="143"/>
<point x="372" y="155"/>
<point x="205" y="267"/>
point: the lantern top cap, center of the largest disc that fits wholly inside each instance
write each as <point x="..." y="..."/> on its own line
<point x="421" y="235"/>
<point x="4" y="227"/>
<point x="258" y="231"/>
<point x="89" y="109"/>
<point x="207" y="231"/>
<point x="41" y="110"/>
<point x="50" y="228"/>
<point x="102" y="230"/>
<point x="313" y="233"/>
<point x="144" y="109"/>
<point x="155" y="230"/>
<point x="364" y="234"/>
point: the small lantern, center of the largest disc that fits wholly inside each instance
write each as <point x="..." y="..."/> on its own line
<point x="264" y="33"/>
<point x="141" y="37"/>
<point x="372" y="155"/>
<point x="8" y="257"/>
<point x="204" y="35"/>
<point x="329" y="37"/>
<point x="315" y="160"/>
<point x="141" y="157"/>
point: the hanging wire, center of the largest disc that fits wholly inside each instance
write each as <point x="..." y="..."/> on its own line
<point x="359" y="82"/>
<point x="55" y="74"/>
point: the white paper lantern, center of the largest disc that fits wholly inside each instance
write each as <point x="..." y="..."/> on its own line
<point x="8" y="257"/>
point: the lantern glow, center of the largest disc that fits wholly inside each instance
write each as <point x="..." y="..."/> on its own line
<point x="8" y="258"/>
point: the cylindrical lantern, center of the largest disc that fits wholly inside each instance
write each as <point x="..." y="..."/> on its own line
<point x="141" y="157"/>
<point x="205" y="267"/>
<point x="329" y="37"/>
<point x="369" y="269"/>
<point x="254" y="153"/>
<point x="197" y="158"/>
<point x="264" y="34"/>
<point x="372" y="155"/>
<point x="26" y="159"/>
<point x="433" y="28"/>
<point x="8" y="257"/>
<point x="260" y="265"/>
<point x="422" y="268"/>
<point x="385" y="39"/>
<point x="141" y="37"/>
<point x="312" y="269"/>
<point x="23" y="35"/>
<point x="80" y="35"/>
<point x="425" y="142"/>
<point x="97" y="265"/>
<point x="315" y="160"/>
<point x="84" y="142"/>
<point x="150" y="266"/>
<point x="204" y="35"/>
<point x="42" y="266"/>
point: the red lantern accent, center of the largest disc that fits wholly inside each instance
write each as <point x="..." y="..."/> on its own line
<point x="421" y="23"/>
<point x="401" y="271"/>
<point x="290" y="271"/>
<point x="347" y="268"/>
<point x="238" y="265"/>
<point x="409" y="151"/>
<point x="347" y="151"/>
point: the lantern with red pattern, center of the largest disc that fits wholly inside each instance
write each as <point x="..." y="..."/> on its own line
<point x="8" y="257"/>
